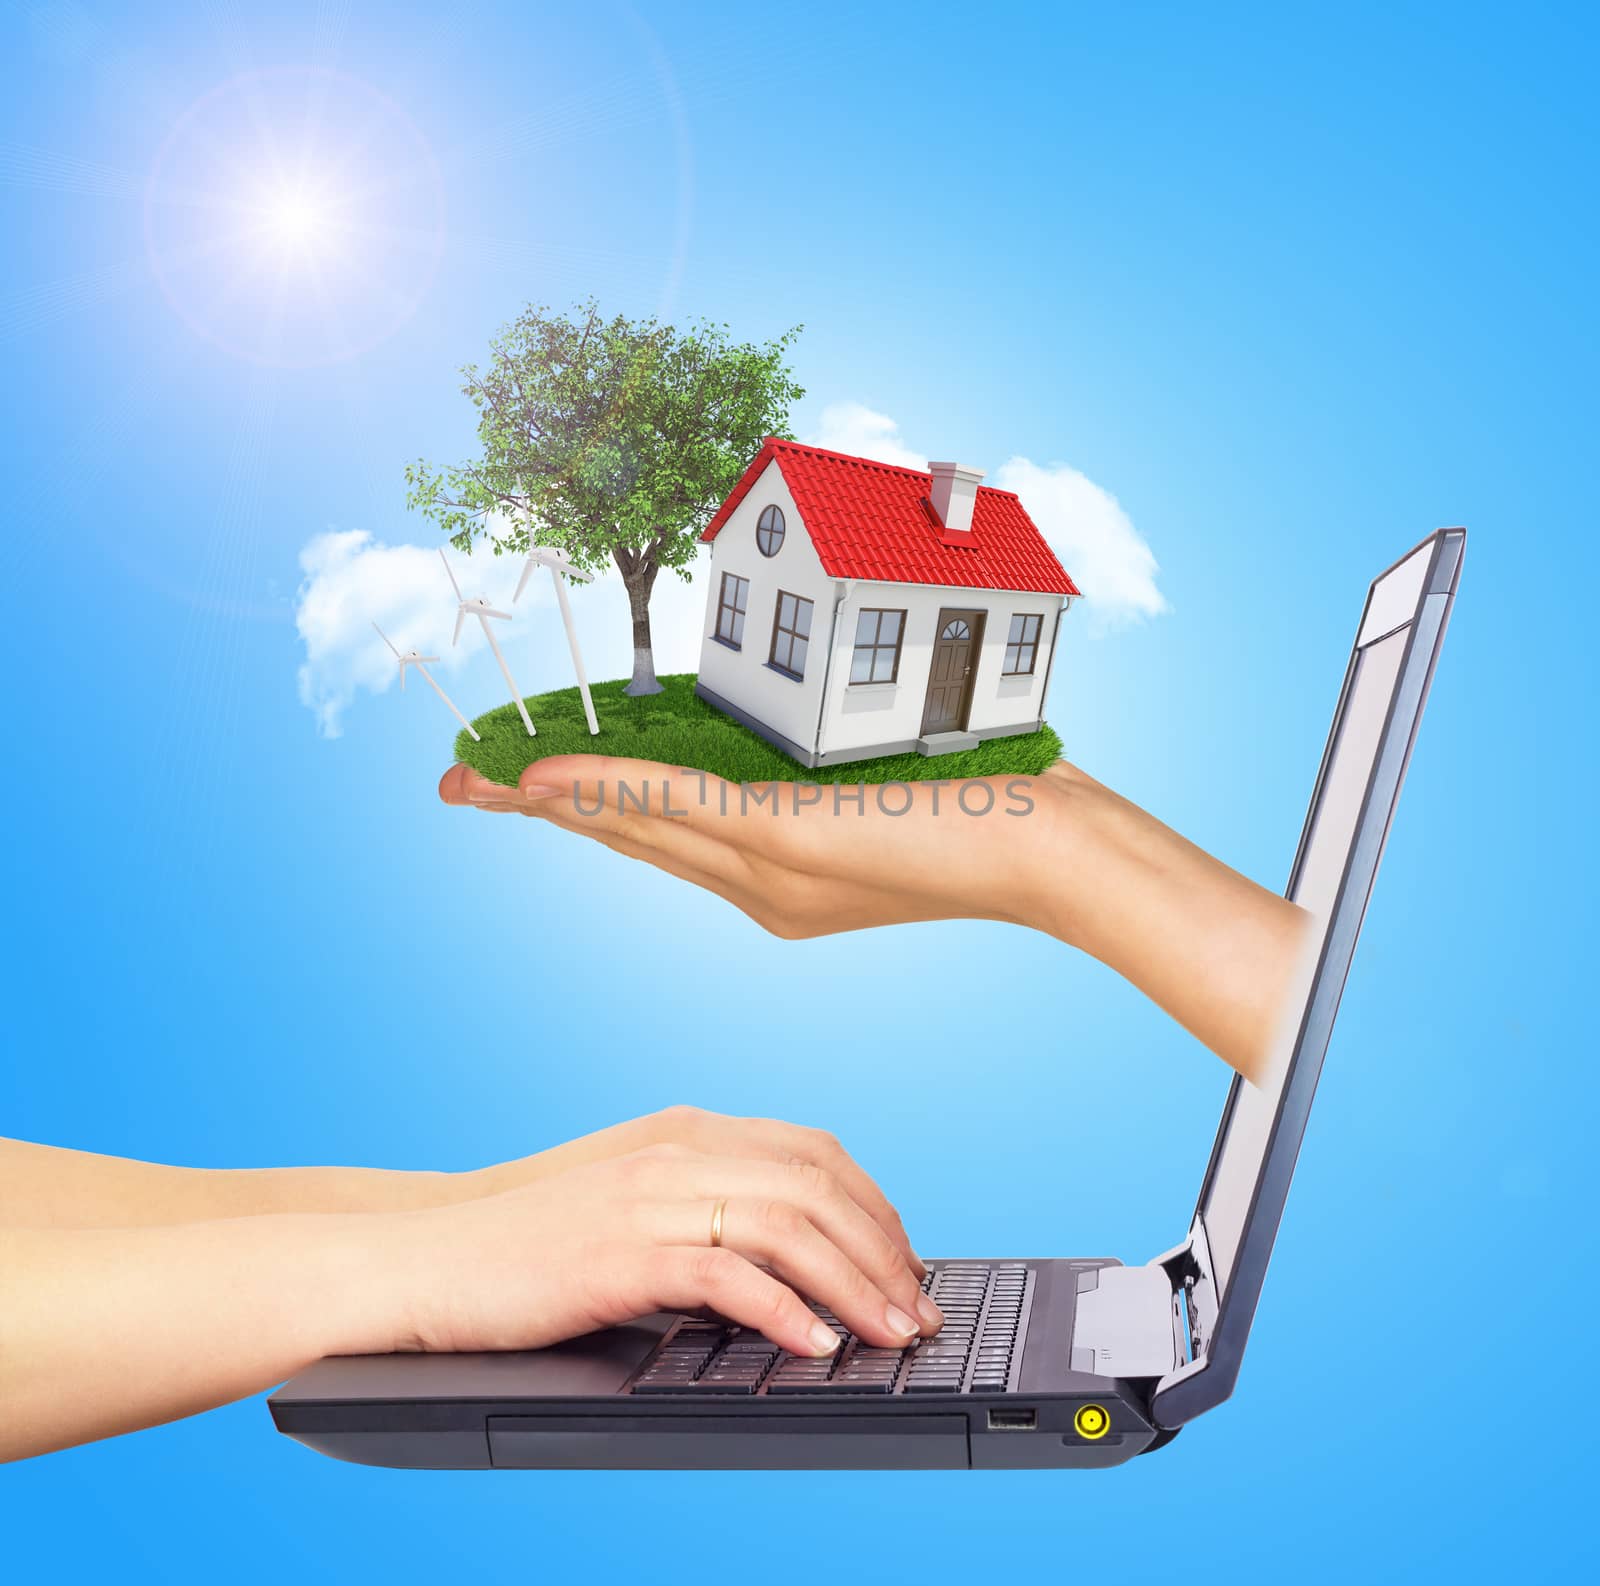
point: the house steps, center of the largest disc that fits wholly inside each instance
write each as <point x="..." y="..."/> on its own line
<point x="946" y="743"/>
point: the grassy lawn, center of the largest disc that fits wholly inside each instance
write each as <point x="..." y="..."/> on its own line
<point x="678" y="728"/>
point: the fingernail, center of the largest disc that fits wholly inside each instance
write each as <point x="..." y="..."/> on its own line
<point x="823" y="1339"/>
<point x="899" y="1323"/>
<point x="540" y="790"/>
<point x="932" y="1316"/>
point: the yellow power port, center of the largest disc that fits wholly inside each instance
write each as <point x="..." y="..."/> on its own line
<point x="1091" y="1422"/>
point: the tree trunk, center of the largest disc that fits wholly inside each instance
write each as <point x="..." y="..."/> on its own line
<point x="640" y="581"/>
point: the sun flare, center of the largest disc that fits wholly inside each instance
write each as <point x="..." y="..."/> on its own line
<point x="294" y="216"/>
<point x="298" y="220"/>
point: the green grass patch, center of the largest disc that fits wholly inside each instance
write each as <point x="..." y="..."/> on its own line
<point x="676" y="727"/>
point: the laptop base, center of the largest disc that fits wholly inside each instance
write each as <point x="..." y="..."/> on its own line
<point x="570" y="1408"/>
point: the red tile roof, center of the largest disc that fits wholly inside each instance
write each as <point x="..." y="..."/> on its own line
<point x="874" y="520"/>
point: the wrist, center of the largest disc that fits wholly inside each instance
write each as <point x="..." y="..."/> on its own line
<point x="1058" y="855"/>
<point x="361" y="1276"/>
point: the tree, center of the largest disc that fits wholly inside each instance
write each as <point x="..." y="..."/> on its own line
<point x="610" y="439"/>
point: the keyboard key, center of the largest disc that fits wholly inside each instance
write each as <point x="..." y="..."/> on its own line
<point x="982" y="1307"/>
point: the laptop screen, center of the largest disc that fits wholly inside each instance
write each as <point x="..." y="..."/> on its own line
<point x="1351" y="806"/>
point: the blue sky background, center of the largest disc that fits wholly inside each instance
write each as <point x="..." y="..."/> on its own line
<point x="1295" y="288"/>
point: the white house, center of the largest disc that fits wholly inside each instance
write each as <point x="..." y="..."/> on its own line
<point x="857" y="609"/>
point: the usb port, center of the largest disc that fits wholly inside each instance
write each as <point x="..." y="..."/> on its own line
<point x="1013" y="1420"/>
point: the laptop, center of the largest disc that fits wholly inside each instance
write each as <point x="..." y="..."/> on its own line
<point x="1041" y="1363"/>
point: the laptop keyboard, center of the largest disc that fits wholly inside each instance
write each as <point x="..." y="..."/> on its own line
<point x="978" y="1350"/>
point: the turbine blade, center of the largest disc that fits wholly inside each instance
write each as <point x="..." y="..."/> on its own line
<point x="418" y="660"/>
<point x="559" y="562"/>
<point x="402" y="677"/>
<point x="489" y="611"/>
<point x="453" y="584"/>
<point x="522" y="583"/>
<point x="461" y="616"/>
<point x="385" y="637"/>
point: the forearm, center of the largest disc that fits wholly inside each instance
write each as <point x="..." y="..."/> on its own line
<point x="44" y="1187"/>
<point x="1211" y="947"/>
<point x="600" y="1146"/>
<point x="106" y="1330"/>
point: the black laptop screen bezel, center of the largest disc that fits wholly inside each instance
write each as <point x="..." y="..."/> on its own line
<point x="1209" y="1378"/>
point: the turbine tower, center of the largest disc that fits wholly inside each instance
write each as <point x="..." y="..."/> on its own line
<point x="561" y="570"/>
<point x="483" y="611"/>
<point x="412" y="658"/>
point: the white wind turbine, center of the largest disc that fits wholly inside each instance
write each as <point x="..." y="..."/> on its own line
<point x="483" y="611"/>
<point x="561" y="570"/>
<point x="412" y="658"/>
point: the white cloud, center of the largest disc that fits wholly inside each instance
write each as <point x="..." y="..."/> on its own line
<point x="850" y="427"/>
<point x="351" y="580"/>
<point x="1084" y="524"/>
<point x="1094" y="538"/>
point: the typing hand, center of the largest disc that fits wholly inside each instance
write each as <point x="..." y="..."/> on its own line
<point x="760" y="1139"/>
<point x="604" y="1243"/>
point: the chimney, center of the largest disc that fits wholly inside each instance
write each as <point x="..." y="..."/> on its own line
<point x="953" y="493"/>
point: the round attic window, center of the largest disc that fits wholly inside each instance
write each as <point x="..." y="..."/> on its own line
<point x="769" y="531"/>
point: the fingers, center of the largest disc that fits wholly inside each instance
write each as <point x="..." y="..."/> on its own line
<point x="863" y="1276"/>
<point x="680" y="1278"/>
<point x="667" y="843"/>
<point x="794" y="863"/>
<point x="790" y="1141"/>
<point x="453" y="784"/>
<point x="462" y="785"/>
<point x="951" y="862"/>
<point x="773" y="1140"/>
<point x="653" y="789"/>
<point x="656" y="813"/>
<point x="779" y="1236"/>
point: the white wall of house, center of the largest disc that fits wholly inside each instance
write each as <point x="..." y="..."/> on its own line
<point x="865" y="715"/>
<point x="743" y="677"/>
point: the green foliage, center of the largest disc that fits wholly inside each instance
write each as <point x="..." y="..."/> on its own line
<point x="677" y="728"/>
<point x="610" y="438"/>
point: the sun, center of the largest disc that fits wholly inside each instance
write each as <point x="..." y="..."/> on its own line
<point x="299" y="221"/>
<point x="294" y="216"/>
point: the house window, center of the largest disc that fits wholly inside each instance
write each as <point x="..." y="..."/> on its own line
<point x="730" y="610"/>
<point x="791" y="635"/>
<point x="1022" y="644"/>
<point x="769" y="531"/>
<point x="877" y="652"/>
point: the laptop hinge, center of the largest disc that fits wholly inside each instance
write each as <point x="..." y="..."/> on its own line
<point x="1147" y="1321"/>
<point x="1194" y="1293"/>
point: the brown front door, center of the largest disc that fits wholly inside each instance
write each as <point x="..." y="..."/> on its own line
<point x="955" y="655"/>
